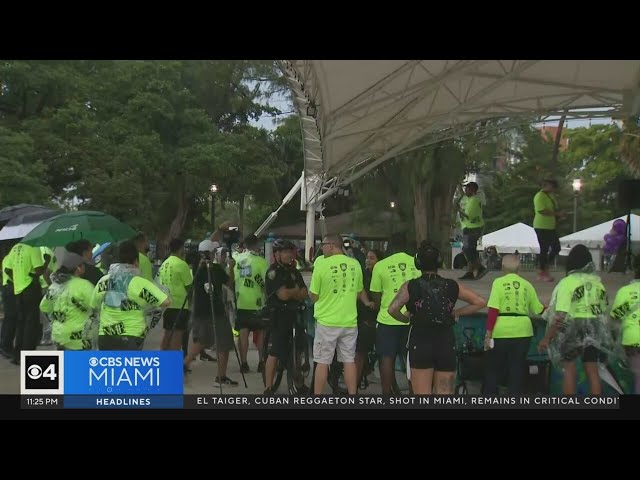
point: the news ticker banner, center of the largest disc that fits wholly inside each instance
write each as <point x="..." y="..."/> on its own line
<point x="155" y="380"/>
<point x="322" y="402"/>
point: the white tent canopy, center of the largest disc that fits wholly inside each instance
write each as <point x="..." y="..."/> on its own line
<point x="518" y="237"/>
<point x="593" y="237"/>
<point x="357" y="114"/>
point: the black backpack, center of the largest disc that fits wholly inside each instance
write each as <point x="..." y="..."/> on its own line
<point x="430" y="302"/>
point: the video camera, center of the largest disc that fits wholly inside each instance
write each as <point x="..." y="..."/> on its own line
<point x="231" y="236"/>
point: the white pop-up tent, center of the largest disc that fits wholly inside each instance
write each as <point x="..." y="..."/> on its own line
<point x="518" y="237"/>
<point x="593" y="237"/>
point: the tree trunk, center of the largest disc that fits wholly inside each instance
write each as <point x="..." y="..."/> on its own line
<point x="176" y="227"/>
<point x="556" y="143"/>
<point x="420" y="212"/>
<point x="241" y="214"/>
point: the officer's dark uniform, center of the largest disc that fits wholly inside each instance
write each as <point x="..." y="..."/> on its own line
<point x="283" y="314"/>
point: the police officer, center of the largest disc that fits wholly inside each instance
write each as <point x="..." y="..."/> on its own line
<point x="285" y="290"/>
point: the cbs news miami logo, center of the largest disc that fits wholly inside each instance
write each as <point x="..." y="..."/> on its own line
<point x="88" y="372"/>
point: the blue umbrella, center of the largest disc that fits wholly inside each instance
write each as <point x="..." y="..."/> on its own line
<point x="100" y="249"/>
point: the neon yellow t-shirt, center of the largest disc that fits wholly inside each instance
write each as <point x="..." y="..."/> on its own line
<point x="129" y="318"/>
<point x="176" y="275"/>
<point x="337" y="281"/>
<point x="7" y="262"/>
<point x="472" y="208"/>
<point x="69" y="308"/>
<point x="544" y="201"/>
<point x="626" y="307"/>
<point x="580" y="295"/>
<point x="514" y="296"/>
<point x="25" y="260"/>
<point x="145" y="267"/>
<point x="250" y="272"/>
<point x="387" y="277"/>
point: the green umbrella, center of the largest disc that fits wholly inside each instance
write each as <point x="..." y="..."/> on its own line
<point x="96" y="227"/>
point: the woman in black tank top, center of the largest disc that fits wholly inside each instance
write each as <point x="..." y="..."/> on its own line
<point x="430" y="302"/>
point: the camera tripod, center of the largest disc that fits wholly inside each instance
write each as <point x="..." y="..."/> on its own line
<point x="204" y="261"/>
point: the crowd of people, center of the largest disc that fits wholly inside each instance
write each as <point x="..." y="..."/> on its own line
<point x="396" y="303"/>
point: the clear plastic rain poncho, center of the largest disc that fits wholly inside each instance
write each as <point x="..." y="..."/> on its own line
<point x="120" y="276"/>
<point x="583" y="297"/>
<point x="74" y="313"/>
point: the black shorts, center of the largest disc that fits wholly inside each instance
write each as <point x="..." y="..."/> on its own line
<point x="588" y="354"/>
<point x="281" y="333"/>
<point x="391" y="340"/>
<point x="204" y="334"/>
<point x="120" y="342"/>
<point x="170" y="316"/>
<point x="579" y="331"/>
<point x="248" y="319"/>
<point x="366" y="337"/>
<point x="433" y="348"/>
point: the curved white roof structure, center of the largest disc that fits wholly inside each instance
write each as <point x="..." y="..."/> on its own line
<point x="357" y="114"/>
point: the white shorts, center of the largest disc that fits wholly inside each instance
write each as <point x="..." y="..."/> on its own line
<point x="329" y="339"/>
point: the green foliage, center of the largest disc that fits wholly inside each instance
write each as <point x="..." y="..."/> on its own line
<point x="141" y="140"/>
<point x="592" y="155"/>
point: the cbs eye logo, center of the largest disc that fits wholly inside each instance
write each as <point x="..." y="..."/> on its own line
<point x="41" y="372"/>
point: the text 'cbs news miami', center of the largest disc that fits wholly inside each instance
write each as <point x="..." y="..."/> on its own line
<point x="155" y="380"/>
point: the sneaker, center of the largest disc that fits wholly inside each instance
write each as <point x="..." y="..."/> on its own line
<point x="225" y="381"/>
<point x="244" y="368"/>
<point x="467" y="276"/>
<point x="482" y="271"/>
<point x="205" y="357"/>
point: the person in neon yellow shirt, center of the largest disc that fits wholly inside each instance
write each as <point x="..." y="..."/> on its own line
<point x="67" y="303"/>
<point x="387" y="277"/>
<point x="122" y="296"/>
<point x="8" y="331"/>
<point x="336" y="286"/>
<point x="578" y="324"/>
<point x="626" y="310"/>
<point x="176" y="275"/>
<point x="509" y="328"/>
<point x="472" y="222"/>
<point x="28" y="266"/>
<point x="546" y="211"/>
<point x="250" y="273"/>
<point x="142" y="244"/>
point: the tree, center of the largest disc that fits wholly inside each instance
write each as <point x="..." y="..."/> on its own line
<point x="630" y="145"/>
<point x="594" y="157"/>
<point x="22" y="177"/>
<point x="254" y="167"/>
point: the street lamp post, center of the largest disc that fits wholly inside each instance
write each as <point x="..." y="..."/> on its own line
<point x="577" y="186"/>
<point x="392" y="205"/>
<point x="213" y="190"/>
